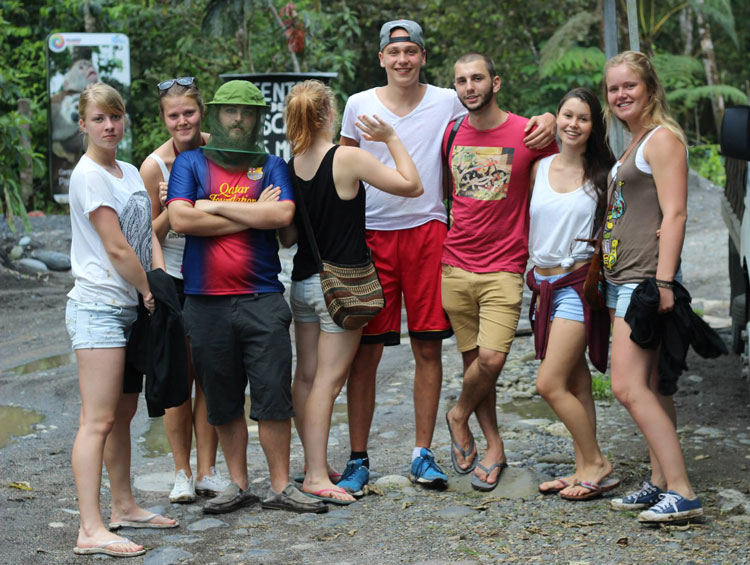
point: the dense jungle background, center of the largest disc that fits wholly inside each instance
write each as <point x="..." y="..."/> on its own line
<point x="541" y="49"/>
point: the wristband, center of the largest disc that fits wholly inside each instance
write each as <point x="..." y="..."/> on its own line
<point x="664" y="284"/>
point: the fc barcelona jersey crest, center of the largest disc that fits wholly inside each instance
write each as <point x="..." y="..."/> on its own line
<point x="255" y="173"/>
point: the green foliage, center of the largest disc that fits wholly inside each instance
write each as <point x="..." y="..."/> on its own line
<point x="16" y="153"/>
<point x="541" y="49"/>
<point x="708" y="163"/>
<point x="690" y="96"/>
<point x="601" y="387"/>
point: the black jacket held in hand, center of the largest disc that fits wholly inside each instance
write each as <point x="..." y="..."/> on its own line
<point x="157" y="347"/>
<point x="674" y="331"/>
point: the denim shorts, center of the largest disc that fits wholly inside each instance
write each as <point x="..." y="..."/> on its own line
<point x="618" y="295"/>
<point x="308" y="304"/>
<point x="93" y="325"/>
<point x="566" y="303"/>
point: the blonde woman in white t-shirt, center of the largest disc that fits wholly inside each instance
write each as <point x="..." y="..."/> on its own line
<point x="567" y="204"/>
<point x="112" y="246"/>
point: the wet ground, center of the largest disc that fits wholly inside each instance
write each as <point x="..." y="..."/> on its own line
<point x="395" y="522"/>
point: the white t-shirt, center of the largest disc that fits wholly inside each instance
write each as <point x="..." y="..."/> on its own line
<point x="173" y="246"/>
<point x="421" y="132"/>
<point x="91" y="187"/>
<point x="557" y="219"/>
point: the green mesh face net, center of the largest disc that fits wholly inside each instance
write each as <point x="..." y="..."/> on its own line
<point x="236" y="135"/>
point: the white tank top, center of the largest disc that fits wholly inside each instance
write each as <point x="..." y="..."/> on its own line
<point x="173" y="245"/>
<point x="557" y="219"/>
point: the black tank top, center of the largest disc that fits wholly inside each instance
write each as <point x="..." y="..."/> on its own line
<point x="338" y="225"/>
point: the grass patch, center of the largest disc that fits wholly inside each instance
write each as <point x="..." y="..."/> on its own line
<point x="601" y="387"/>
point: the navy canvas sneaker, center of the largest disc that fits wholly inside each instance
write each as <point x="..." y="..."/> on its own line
<point x="646" y="497"/>
<point x="425" y="471"/>
<point x="671" y="507"/>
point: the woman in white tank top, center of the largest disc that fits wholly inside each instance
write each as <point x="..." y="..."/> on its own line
<point x="181" y="109"/>
<point x="568" y="190"/>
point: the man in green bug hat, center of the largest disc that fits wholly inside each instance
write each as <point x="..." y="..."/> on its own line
<point x="229" y="197"/>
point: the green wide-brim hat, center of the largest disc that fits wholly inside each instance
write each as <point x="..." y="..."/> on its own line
<point x="239" y="92"/>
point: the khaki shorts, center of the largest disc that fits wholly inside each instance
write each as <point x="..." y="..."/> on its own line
<point x="483" y="308"/>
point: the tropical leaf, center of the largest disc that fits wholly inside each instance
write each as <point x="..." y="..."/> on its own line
<point x="678" y="71"/>
<point x="690" y="96"/>
<point x="574" y="60"/>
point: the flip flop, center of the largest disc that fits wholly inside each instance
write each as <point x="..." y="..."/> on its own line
<point x="103" y="549"/>
<point x="595" y="490"/>
<point x="484" y="486"/>
<point x="555" y="490"/>
<point x="142" y="523"/>
<point x="320" y="495"/>
<point x="464" y="454"/>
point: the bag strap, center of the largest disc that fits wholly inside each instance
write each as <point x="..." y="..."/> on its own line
<point x="300" y="202"/>
<point x="447" y="166"/>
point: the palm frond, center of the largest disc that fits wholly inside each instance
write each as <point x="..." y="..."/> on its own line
<point x="690" y="96"/>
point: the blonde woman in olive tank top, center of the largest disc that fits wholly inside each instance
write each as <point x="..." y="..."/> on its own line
<point x="643" y="237"/>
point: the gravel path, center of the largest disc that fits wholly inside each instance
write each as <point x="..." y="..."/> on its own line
<point x="395" y="522"/>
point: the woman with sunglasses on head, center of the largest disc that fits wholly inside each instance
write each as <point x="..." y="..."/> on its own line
<point x="567" y="207"/>
<point x="648" y="193"/>
<point x="182" y="109"/>
<point x="328" y="186"/>
<point x="111" y="248"/>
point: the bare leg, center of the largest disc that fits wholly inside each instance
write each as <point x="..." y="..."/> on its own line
<point x="428" y="379"/>
<point x="206" y="439"/>
<point x="100" y="382"/>
<point x="564" y="365"/>
<point x="306" y="343"/>
<point x="178" y="425"/>
<point x="632" y="367"/>
<point x="360" y="394"/>
<point x="117" y="459"/>
<point x="233" y="439"/>
<point x="335" y="354"/>
<point x="275" y="436"/>
<point x="482" y="367"/>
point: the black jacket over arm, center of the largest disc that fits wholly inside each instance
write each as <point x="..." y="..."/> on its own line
<point x="157" y="347"/>
<point x="673" y="331"/>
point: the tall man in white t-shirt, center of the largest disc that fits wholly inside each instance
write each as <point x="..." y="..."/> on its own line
<point x="406" y="238"/>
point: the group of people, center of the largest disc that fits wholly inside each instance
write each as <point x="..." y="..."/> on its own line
<point x="210" y="208"/>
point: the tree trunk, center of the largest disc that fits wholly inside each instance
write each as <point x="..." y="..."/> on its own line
<point x="686" y="31"/>
<point x="26" y="177"/>
<point x="709" y="64"/>
<point x="89" y="19"/>
<point x="295" y="62"/>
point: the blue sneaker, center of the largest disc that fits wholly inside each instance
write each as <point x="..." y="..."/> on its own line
<point x="646" y="497"/>
<point x="425" y="471"/>
<point x="671" y="507"/>
<point x="354" y="478"/>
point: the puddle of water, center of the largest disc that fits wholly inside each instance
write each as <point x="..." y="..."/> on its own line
<point x="536" y="408"/>
<point x="154" y="442"/>
<point x="44" y="364"/>
<point x="15" y="421"/>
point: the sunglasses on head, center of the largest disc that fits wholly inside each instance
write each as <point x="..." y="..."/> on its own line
<point x="182" y="81"/>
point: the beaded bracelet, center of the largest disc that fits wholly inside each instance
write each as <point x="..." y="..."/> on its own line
<point x="664" y="284"/>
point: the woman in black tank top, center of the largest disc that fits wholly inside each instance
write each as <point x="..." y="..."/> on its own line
<point x="330" y="179"/>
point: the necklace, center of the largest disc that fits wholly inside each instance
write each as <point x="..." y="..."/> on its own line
<point x="174" y="146"/>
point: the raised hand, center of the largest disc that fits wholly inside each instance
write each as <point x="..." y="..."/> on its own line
<point x="375" y="129"/>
